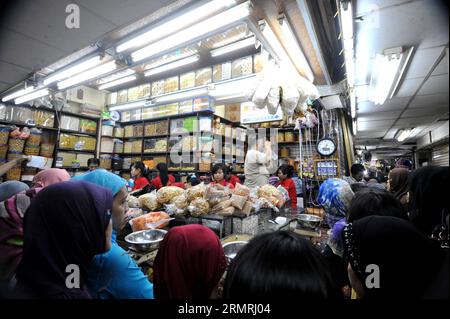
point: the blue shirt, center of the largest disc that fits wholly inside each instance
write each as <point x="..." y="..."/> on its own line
<point x="115" y="275"/>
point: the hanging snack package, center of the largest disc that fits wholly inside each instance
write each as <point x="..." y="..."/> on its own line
<point x="289" y="100"/>
<point x="273" y="100"/>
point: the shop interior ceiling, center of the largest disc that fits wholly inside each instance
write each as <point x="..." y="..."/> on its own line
<point x="422" y="100"/>
<point x="35" y="40"/>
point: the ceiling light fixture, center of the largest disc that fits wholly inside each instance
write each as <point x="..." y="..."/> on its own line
<point x="116" y="76"/>
<point x="127" y="106"/>
<point x="403" y="134"/>
<point x="388" y="69"/>
<point x="176" y="24"/>
<point x="346" y="14"/>
<point x="75" y="69"/>
<point x="117" y="82"/>
<point x="32" y="96"/>
<point x="233" y="47"/>
<point x="173" y="65"/>
<point x="294" y="49"/>
<point x="191" y="33"/>
<point x="16" y="94"/>
<point x="88" y="75"/>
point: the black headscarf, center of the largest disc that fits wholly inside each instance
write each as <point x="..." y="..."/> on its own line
<point x="428" y="197"/>
<point x="407" y="260"/>
<point x="65" y="224"/>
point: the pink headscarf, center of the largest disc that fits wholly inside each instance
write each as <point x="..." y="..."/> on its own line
<point x="50" y="176"/>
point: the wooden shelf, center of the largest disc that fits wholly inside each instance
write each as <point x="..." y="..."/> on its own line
<point x="28" y="125"/>
<point x="77" y="133"/>
<point x="75" y="151"/>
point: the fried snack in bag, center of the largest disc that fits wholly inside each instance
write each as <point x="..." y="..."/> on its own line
<point x="241" y="190"/>
<point x="198" y="207"/>
<point x="145" y="221"/>
<point x="195" y="192"/>
<point x="165" y="194"/>
<point x="238" y="201"/>
<point x="149" y="201"/>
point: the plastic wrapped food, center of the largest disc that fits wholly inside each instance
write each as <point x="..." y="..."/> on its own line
<point x="241" y="190"/>
<point x="271" y="194"/>
<point x="133" y="202"/>
<point x="273" y="100"/>
<point x="149" y="201"/>
<point x="222" y="205"/>
<point x="226" y="212"/>
<point x="238" y="201"/>
<point x="172" y="209"/>
<point x="247" y="209"/>
<point x="167" y="193"/>
<point x="150" y="221"/>
<point x="290" y="100"/>
<point x="195" y="192"/>
<point x="180" y="201"/>
<point x="198" y="207"/>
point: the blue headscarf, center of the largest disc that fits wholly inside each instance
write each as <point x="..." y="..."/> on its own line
<point x="10" y="188"/>
<point x="335" y="195"/>
<point x="103" y="178"/>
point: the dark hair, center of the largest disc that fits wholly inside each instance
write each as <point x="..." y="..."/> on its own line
<point x="286" y="170"/>
<point x="356" y="168"/>
<point x="279" y="264"/>
<point x="221" y="166"/>
<point x="93" y="161"/>
<point x="141" y="166"/>
<point x="356" y="187"/>
<point x="193" y="180"/>
<point x="163" y="173"/>
<point x="370" y="201"/>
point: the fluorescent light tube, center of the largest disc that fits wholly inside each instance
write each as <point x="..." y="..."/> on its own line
<point x="353" y="104"/>
<point x="295" y="52"/>
<point x="383" y="77"/>
<point x="116" y="76"/>
<point x="404" y="135"/>
<point x="181" y="95"/>
<point x="32" y="96"/>
<point x="347" y="35"/>
<point x="184" y="36"/>
<point x="127" y="106"/>
<point x="117" y="82"/>
<point x="77" y="68"/>
<point x="355" y="127"/>
<point x="176" y="24"/>
<point x="18" y="93"/>
<point x="173" y="65"/>
<point x="165" y="60"/>
<point x="406" y="57"/>
<point x="233" y="47"/>
<point x="88" y="75"/>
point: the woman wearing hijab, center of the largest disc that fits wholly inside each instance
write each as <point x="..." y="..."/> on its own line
<point x="114" y="274"/>
<point x="189" y="263"/>
<point x="395" y="259"/>
<point x="335" y="195"/>
<point x="67" y="224"/>
<point x="11" y="188"/>
<point x="398" y="184"/>
<point x="428" y="197"/>
<point x="12" y="212"/>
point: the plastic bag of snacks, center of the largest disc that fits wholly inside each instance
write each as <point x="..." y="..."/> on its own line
<point x="198" y="207"/>
<point x="238" y="201"/>
<point x="150" y="221"/>
<point x="172" y="209"/>
<point x="271" y="194"/>
<point x="133" y="202"/>
<point x="149" y="201"/>
<point x="196" y="191"/>
<point x="226" y="211"/>
<point x="221" y="206"/>
<point x="167" y="193"/>
<point x="241" y="190"/>
<point x="180" y="201"/>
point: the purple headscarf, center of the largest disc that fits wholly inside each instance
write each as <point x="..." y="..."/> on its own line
<point x="64" y="225"/>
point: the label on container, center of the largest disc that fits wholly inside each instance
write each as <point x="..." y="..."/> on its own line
<point x="59" y="162"/>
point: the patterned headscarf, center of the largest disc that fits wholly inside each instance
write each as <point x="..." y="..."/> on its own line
<point x="335" y="196"/>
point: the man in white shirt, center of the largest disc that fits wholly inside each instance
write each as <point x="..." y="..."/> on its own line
<point x="259" y="163"/>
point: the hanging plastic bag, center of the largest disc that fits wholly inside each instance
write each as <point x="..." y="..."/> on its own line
<point x="273" y="100"/>
<point x="289" y="99"/>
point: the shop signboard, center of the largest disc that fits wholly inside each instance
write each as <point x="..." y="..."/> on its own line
<point x="251" y="114"/>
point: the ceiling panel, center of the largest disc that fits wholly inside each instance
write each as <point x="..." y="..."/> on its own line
<point x="411" y="122"/>
<point x="409" y="87"/>
<point x="421" y="101"/>
<point x="435" y="84"/>
<point x="390" y="105"/>
<point x="423" y="112"/>
<point x="379" y="116"/>
<point x="11" y="73"/>
<point x="442" y="67"/>
<point x="422" y="62"/>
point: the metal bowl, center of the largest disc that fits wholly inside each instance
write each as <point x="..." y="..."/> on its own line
<point x="232" y="248"/>
<point x="309" y="221"/>
<point x="146" y="240"/>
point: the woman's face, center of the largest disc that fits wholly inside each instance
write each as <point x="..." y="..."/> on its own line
<point x="119" y="208"/>
<point x="108" y="234"/>
<point x="281" y="175"/>
<point x="218" y="176"/>
<point x="135" y="171"/>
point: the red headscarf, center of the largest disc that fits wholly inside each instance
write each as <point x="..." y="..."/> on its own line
<point x="189" y="263"/>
